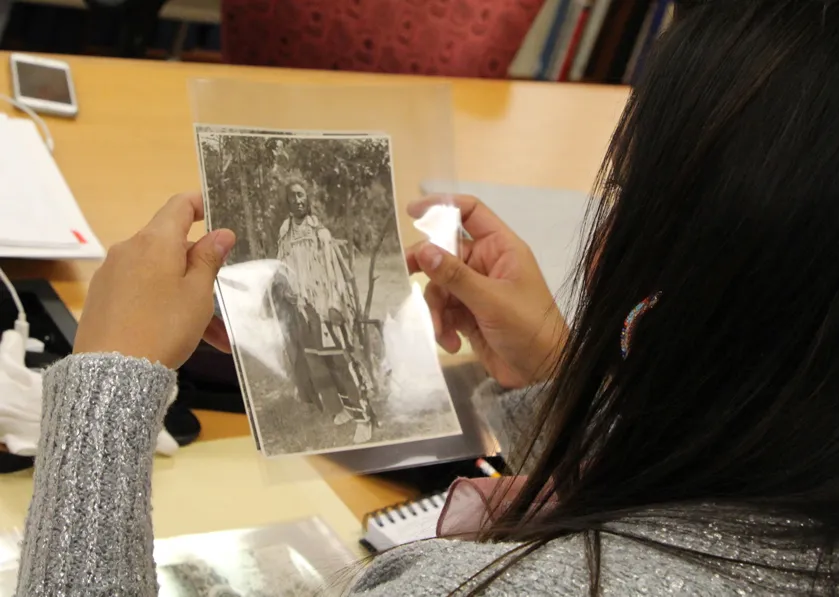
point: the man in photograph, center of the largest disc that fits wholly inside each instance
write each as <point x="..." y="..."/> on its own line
<point x="318" y="306"/>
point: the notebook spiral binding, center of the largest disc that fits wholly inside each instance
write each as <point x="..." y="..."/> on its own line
<point x="401" y="510"/>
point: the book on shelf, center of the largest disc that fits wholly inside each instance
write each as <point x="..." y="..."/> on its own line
<point x="654" y="25"/>
<point x="563" y="40"/>
<point x="640" y="42"/>
<point x="619" y="39"/>
<point x="597" y="17"/>
<point x="526" y="64"/>
<point x="574" y="42"/>
<point x="605" y="41"/>
<point x="552" y="41"/>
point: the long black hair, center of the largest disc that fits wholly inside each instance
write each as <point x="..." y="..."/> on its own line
<point x="721" y="191"/>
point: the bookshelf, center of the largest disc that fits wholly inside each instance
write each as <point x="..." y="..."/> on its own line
<point x="593" y="41"/>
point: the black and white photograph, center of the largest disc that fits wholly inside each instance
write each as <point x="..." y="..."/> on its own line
<point x="303" y="558"/>
<point x="333" y="342"/>
<point x="297" y="559"/>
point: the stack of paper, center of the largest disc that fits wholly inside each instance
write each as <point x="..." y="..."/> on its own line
<point x="39" y="217"/>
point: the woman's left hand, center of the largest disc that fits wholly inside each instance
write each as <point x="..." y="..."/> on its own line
<point x="153" y="296"/>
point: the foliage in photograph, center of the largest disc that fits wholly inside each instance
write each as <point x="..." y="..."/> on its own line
<point x="349" y="180"/>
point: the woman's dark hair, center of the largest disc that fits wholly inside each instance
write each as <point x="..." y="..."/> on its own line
<point x="721" y="190"/>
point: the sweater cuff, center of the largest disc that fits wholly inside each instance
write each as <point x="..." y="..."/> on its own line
<point x="88" y="531"/>
<point x="123" y="395"/>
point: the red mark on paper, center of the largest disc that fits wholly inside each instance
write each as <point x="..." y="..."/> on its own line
<point x="79" y="237"/>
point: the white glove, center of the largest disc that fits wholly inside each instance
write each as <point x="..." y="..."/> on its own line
<point x="166" y="444"/>
<point x="20" y="398"/>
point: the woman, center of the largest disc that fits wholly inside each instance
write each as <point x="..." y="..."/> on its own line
<point x="687" y="439"/>
<point x="322" y="316"/>
<point x="306" y="246"/>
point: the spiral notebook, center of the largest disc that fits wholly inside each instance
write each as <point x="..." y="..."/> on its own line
<point x="403" y="523"/>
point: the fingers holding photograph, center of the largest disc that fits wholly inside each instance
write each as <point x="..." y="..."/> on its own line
<point x="332" y="343"/>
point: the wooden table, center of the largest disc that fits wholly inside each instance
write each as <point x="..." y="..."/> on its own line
<point x="132" y="146"/>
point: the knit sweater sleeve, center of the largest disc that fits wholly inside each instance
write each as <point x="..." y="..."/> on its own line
<point x="89" y="529"/>
<point x="511" y="415"/>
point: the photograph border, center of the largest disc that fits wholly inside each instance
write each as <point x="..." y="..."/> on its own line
<point x="244" y="385"/>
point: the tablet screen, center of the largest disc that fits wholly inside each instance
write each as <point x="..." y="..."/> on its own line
<point x="43" y="82"/>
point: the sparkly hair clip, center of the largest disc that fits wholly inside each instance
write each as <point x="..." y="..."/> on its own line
<point x="632" y="319"/>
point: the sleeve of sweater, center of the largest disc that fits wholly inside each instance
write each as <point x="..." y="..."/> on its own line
<point x="511" y="415"/>
<point x="89" y="528"/>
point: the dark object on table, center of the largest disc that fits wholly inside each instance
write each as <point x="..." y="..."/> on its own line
<point x="182" y="425"/>
<point x="434" y="478"/>
<point x="12" y="463"/>
<point x="208" y="381"/>
<point x="49" y="319"/>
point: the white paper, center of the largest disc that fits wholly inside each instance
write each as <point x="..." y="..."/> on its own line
<point x="39" y="217"/>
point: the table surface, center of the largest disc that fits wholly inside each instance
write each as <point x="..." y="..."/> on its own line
<point x="132" y="146"/>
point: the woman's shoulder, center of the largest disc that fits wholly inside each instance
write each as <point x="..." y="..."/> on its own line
<point x="510" y="413"/>
<point x="439" y="566"/>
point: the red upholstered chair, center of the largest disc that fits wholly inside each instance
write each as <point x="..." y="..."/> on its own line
<point x="458" y="38"/>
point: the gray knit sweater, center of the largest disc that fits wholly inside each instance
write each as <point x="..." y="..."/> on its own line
<point x="89" y="528"/>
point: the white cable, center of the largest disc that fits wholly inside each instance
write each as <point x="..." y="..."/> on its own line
<point x="21" y="325"/>
<point x="45" y="130"/>
<point x="13" y="292"/>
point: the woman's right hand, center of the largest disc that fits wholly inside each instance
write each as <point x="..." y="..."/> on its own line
<point x="152" y="298"/>
<point x="494" y="295"/>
